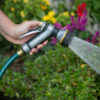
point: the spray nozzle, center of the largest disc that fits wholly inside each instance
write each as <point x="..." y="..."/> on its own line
<point x="44" y="32"/>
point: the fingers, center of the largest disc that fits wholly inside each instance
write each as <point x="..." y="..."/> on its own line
<point x="45" y="42"/>
<point x="35" y="50"/>
<point x="42" y="45"/>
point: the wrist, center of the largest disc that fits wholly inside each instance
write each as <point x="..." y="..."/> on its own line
<point x="6" y="25"/>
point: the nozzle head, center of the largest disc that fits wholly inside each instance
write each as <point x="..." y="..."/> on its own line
<point x="64" y="37"/>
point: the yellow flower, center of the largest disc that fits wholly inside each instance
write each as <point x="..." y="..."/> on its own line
<point x="43" y="7"/>
<point x="83" y="65"/>
<point x="12" y="9"/>
<point x="53" y="20"/>
<point x="15" y="1"/>
<point x="74" y="84"/>
<point x="72" y="14"/>
<point x="45" y="18"/>
<point x="51" y="13"/>
<point x="25" y="1"/>
<point x="66" y="14"/>
<point x="22" y="14"/>
<point x="47" y="2"/>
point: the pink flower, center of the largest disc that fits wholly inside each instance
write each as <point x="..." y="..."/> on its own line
<point x="95" y="37"/>
<point x="69" y="27"/>
<point x="54" y="41"/>
<point x="58" y="25"/>
<point x="88" y="40"/>
<point x="81" y="22"/>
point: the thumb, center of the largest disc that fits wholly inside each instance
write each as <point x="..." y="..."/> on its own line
<point x="25" y="27"/>
<point x="32" y="24"/>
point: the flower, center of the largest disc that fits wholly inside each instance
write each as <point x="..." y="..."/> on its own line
<point x="95" y="37"/>
<point x="53" y="19"/>
<point x="45" y="18"/>
<point x="51" y="13"/>
<point x="88" y="40"/>
<point x="74" y="83"/>
<point x="15" y="1"/>
<point x="80" y="9"/>
<point x="69" y="27"/>
<point x="43" y="7"/>
<point x="81" y="22"/>
<point x="72" y="14"/>
<point x="54" y="41"/>
<point x="83" y="65"/>
<point x="47" y="2"/>
<point x="22" y="14"/>
<point x="12" y="9"/>
<point x="58" y="25"/>
<point x="65" y="14"/>
<point x="25" y="1"/>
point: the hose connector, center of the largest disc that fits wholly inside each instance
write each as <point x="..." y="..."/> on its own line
<point x="20" y="52"/>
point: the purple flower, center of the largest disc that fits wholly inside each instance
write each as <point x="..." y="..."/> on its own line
<point x="81" y="22"/>
<point x="73" y="22"/>
<point x="69" y="27"/>
<point x="95" y="37"/>
<point x="54" y="40"/>
<point x="58" y="25"/>
<point x="88" y="40"/>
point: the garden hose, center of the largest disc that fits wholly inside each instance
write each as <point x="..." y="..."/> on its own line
<point x="9" y="62"/>
<point x="45" y="31"/>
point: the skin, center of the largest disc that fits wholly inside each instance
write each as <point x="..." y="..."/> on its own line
<point x="12" y="31"/>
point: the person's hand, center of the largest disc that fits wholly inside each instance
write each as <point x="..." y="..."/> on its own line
<point x="19" y="29"/>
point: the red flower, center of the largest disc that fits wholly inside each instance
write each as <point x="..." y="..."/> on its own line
<point x="80" y="9"/>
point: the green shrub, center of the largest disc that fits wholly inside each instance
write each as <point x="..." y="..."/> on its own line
<point x="57" y="75"/>
<point x="19" y="10"/>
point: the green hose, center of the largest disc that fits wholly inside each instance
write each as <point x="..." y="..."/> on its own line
<point x="7" y="64"/>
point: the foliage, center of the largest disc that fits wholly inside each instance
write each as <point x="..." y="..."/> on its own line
<point x="21" y="10"/>
<point x="51" y="77"/>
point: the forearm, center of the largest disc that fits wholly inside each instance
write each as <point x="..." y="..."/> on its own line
<point x="6" y="25"/>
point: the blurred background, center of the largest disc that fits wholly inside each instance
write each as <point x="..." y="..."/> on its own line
<point x="54" y="73"/>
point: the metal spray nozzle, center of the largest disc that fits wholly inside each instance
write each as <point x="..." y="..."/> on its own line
<point x="44" y="32"/>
